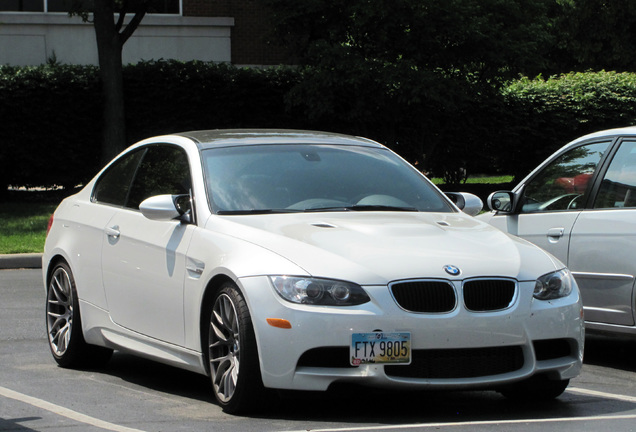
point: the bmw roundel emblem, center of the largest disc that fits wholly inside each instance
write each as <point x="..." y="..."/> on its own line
<point x="452" y="270"/>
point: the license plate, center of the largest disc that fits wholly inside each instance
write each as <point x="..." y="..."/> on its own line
<point x="379" y="348"/>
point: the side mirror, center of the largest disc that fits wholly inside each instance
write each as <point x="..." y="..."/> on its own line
<point x="502" y="201"/>
<point x="466" y="202"/>
<point x="167" y="207"/>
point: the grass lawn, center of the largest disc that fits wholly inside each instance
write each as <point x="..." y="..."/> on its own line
<point x="23" y="226"/>
<point x="478" y="180"/>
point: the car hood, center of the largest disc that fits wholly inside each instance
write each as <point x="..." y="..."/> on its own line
<point x="379" y="247"/>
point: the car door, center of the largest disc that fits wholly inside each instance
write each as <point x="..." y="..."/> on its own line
<point x="551" y="201"/>
<point x="603" y="242"/>
<point x="143" y="260"/>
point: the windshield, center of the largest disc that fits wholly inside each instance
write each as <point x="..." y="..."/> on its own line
<point x="303" y="178"/>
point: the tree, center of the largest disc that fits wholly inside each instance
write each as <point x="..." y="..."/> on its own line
<point x="488" y="39"/>
<point x="596" y="35"/>
<point x="111" y="36"/>
<point x="425" y="61"/>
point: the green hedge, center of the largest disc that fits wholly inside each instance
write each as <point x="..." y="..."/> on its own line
<point x="50" y="124"/>
<point x="541" y="115"/>
<point x="51" y="115"/>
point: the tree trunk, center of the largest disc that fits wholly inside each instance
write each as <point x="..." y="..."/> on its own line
<point x="110" y="44"/>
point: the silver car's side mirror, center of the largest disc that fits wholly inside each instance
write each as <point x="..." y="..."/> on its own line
<point x="166" y="207"/>
<point x="466" y="202"/>
<point x="502" y="201"/>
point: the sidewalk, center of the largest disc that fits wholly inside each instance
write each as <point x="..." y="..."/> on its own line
<point x="21" y="261"/>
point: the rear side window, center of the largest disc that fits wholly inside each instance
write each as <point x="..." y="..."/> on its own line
<point x="114" y="185"/>
<point x="618" y="189"/>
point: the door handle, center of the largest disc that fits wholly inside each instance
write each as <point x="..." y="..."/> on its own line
<point x="556" y="232"/>
<point x="113" y="231"/>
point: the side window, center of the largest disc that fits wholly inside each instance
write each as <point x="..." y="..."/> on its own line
<point x="618" y="188"/>
<point x="163" y="170"/>
<point x="563" y="183"/>
<point x="113" y="186"/>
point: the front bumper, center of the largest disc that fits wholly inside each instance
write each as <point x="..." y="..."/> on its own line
<point x="459" y="349"/>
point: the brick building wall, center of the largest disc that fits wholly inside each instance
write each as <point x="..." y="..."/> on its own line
<point x="251" y="31"/>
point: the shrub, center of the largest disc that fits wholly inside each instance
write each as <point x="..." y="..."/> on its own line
<point x="542" y="115"/>
<point x="52" y="114"/>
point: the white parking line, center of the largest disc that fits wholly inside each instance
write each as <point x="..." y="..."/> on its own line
<point x="500" y="422"/>
<point x="602" y="394"/>
<point x="64" y="412"/>
<point x="82" y="418"/>
<point x="474" y="423"/>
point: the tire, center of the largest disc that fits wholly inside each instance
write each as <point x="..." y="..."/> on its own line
<point x="232" y="353"/>
<point x="64" y="324"/>
<point x="536" y="388"/>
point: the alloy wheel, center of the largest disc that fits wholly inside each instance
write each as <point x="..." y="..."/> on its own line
<point x="59" y="311"/>
<point x="224" y="347"/>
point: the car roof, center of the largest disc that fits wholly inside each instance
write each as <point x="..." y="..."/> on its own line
<point x="629" y="130"/>
<point x="241" y="137"/>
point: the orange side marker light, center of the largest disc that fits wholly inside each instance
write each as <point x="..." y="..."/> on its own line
<point x="279" y="322"/>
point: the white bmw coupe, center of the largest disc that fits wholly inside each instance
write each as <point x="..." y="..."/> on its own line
<point x="270" y="259"/>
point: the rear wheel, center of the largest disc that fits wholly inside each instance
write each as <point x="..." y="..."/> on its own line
<point x="64" y="324"/>
<point x="232" y="352"/>
<point x="536" y="388"/>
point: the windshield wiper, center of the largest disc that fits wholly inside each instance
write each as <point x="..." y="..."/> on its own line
<point x="363" y="208"/>
<point x="360" y="208"/>
<point x="257" y="211"/>
<point x="369" y="207"/>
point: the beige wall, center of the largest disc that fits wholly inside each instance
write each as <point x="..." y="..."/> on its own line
<point x="33" y="38"/>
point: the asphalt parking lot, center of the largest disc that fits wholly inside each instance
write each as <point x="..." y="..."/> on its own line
<point x="133" y="394"/>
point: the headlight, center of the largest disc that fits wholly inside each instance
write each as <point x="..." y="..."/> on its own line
<point x="319" y="291"/>
<point x="553" y="285"/>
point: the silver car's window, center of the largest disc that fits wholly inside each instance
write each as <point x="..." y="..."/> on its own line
<point x="114" y="184"/>
<point x="148" y="171"/>
<point x="563" y="184"/>
<point x="618" y="189"/>
<point x="164" y="170"/>
<point x="291" y="178"/>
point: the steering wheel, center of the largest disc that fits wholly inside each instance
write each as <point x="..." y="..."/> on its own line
<point x="574" y="202"/>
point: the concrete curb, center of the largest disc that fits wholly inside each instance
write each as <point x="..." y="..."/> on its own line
<point x="21" y="261"/>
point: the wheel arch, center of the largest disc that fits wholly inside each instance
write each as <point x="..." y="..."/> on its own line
<point x="213" y="286"/>
<point x="53" y="262"/>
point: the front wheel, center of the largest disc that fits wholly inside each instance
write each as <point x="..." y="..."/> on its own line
<point x="232" y="352"/>
<point x="64" y="324"/>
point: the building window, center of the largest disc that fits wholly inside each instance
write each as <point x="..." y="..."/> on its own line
<point x="157" y="6"/>
<point x="166" y="7"/>
<point x="56" y="5"/>
<point x="22" y="5"/>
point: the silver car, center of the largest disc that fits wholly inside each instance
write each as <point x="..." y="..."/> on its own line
<point x="580" y="205"/>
